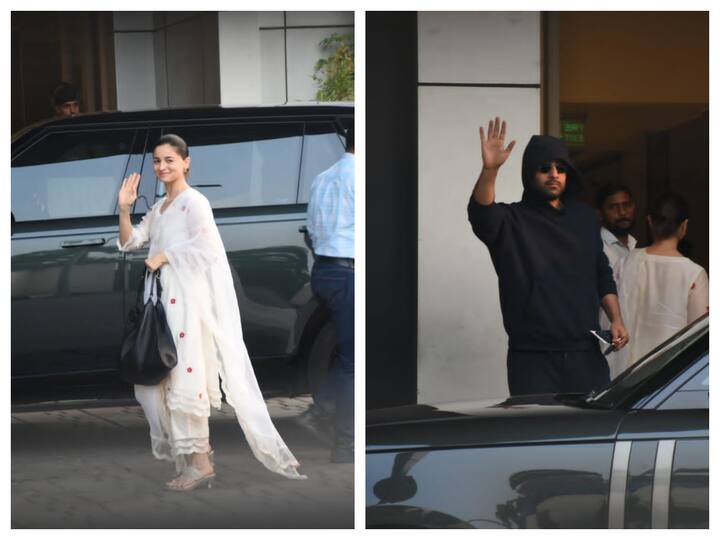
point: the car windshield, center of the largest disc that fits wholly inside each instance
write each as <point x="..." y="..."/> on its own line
<point x="648" y="366"/>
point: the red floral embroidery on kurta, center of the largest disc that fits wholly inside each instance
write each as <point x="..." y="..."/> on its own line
<point x="692" y="286"/>
<point x="182" y="334"/>
<point x="189" y="370"/>
<point x="172" y="300"/>
<point x="199" y="396"/>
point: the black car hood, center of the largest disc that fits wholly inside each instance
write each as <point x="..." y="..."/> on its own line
<point x="524" y="420"/>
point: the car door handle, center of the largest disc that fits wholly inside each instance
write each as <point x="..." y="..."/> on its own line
<point x="83" y="243"/>
<point x="302" y="229"/>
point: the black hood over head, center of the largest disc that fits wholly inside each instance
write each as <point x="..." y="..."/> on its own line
<point x="542" y="149"/>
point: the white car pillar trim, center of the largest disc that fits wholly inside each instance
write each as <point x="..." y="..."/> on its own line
<point x="618" y="485"/>
<point x="661" y="484"/>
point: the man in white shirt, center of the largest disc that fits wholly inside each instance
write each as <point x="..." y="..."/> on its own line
<point x="331" y="226"/>
<point x="616" y="210"/>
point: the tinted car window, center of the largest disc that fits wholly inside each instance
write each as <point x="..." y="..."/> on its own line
<point x="245" y="165"/>
<point x="70" y="175"/>
<point x="668" y="359"/>
<point x="694" y="394"/>
<point x="321" y="148"/>
<point x="699" y="381"/>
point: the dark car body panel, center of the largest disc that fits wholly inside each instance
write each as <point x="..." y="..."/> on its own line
<point x="50" y="289"/>
<point x="72" y="288"/>
<point x="522" y="424"/>
<point x="549" y="461"/>
<point x="501" y="487"/>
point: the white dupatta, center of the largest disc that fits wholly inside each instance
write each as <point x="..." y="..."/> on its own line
<point x="202" y="268"/>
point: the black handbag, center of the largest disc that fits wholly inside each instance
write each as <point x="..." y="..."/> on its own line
<point x="148" y="351"/>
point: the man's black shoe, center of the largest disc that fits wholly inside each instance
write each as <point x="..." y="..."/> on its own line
<point x="316" y="422"/>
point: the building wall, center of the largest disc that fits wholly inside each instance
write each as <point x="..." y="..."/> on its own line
<point x="269" y="57"/>
<point x="239" y="43"/>
<point x="189" y="65"/>
<point x="226" y="58"/>
<point x="166" y="59"/>
<point x="634" y="57"/>
<point x="134" y="60"/>
<point x="463" y="83"/>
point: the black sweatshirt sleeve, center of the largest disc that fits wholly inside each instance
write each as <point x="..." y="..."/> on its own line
<point x="606" y="281"/>
<point x="486" y="220"/>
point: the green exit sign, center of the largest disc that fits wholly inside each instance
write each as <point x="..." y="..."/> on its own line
<point x="573" y="132"/>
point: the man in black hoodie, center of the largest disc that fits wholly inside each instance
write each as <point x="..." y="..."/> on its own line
<point x="552" y="272"/>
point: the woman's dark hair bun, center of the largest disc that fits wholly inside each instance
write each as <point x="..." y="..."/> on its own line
<point x="667" y="213"/>
<point x="176" y="142"/>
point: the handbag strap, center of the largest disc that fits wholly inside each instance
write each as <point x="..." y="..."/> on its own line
<point x="159" y="285"/>
<point x="155" y="281"/>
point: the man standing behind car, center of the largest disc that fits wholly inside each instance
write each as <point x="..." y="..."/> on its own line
<point x="552" y="271"/>
<point x="65" y="100"/>
<point x="331" y="225"/>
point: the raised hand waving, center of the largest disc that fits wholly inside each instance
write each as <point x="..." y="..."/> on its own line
<point x="494" y="151"/>
<point x="128" y="191"/>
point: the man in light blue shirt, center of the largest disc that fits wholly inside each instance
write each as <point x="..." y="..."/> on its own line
<point x="331" y="210"/>
<point x="331" y="226"/>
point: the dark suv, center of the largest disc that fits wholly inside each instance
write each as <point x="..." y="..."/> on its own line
<point x="72" y="288"/>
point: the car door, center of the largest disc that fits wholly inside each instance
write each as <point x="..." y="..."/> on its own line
<point x="66" y="280"/>
<point x="661" y="462"/>
<point x="538" y="467"/>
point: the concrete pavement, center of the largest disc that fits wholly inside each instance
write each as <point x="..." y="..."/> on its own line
<point x="92" y="468"/>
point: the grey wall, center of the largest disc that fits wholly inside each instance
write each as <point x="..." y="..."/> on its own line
<point x="269" y="57"/>
<point x="166" y="59"/>
<point x="187" y="66"/>
<point x="240" y="61"/>
<point x="134" y="60"/>
<point x="466" y="61"/>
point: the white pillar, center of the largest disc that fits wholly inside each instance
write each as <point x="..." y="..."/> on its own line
<point x="462" y="344"/>
<point x="240" y="64"/>
<point x="134" y="60"/>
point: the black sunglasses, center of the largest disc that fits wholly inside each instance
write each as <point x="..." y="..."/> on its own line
<point x="545" y="167"/>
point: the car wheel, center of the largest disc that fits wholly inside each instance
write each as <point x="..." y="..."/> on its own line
<point x="321" y="357"/>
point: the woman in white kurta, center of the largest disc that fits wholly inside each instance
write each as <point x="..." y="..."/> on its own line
<point x="203" y="315"/>
<point x="661" y="291"/>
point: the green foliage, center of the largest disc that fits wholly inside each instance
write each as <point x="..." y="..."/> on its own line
<point x="336" y="73"/>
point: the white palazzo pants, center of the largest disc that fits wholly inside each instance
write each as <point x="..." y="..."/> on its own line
<point x="173" y="433"/>
<point x="176" y="433"/>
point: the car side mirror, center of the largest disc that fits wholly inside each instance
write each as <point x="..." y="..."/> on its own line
<point x="395" y="489"/>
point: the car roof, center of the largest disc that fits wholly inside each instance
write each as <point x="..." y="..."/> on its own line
<point x="205" y="112"/>
<point x="209" y="111"/>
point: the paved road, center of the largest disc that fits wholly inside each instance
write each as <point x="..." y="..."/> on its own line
<point x="92" y="468"/>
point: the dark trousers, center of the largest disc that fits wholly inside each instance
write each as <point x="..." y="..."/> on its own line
<point x="334" y="284"/>
<point x="549" y="372"/>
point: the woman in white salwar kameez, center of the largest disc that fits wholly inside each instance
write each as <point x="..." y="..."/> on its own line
<point x="203" y="315"/>
<point x="661" y="291"/>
